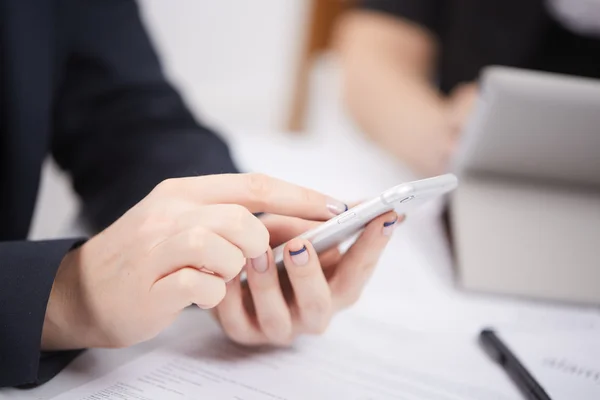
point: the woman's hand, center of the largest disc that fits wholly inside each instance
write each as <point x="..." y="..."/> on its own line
<point x="461" y="104"/>
<point x="429" y="137"/>
<point x="178" y="246"/>
<point x="273" y="308"/>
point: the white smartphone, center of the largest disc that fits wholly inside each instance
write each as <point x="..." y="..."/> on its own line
<point x="401" y="198"/>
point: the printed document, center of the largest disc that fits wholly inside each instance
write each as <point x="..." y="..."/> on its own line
<point x="355" y="362"/>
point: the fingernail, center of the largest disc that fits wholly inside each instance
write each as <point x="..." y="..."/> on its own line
<point x="389" y="226"/>
<point x="299" y="257"/>
<point x="336" y="207"/>
<point x="260" y="263"/>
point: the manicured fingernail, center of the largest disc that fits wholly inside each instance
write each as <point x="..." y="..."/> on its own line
<point x="336" y="207"/>
<point x="260" y="263"/>
<point x="299" y="257"/>
<point x="389" y="226"/>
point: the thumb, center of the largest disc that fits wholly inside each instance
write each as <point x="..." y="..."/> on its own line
<point x="283" y="228"/>
<point x="187" y="286"/>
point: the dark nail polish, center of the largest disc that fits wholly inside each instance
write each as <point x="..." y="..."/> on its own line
<point x="388" y="227"/>
<point x="299" y="257"/>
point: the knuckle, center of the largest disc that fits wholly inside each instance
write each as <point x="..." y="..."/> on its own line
<point x="317" y="313"/>
<point x="186" y="280"/>
<point x="166" y="186"/>
<point x="238" y="263"/>
<point x="350" y="298"/>
<point x="219" y="293"/>
<point x="237" y="217"/>
<point x="151" y="221"/>
<point x="238" y="214"/>
<point x="262" y="283"/>
<point x="262" y="238"/>
<point x="210" y="297"/>
<point x="317" y="326"/>
<point x="259" y="186"/>
<point x="197" y="238"/>
<point x="320" y="306"/>
<point x="236" y="332"/>
<point x="320" y="327"/>
<point x="149" y="226"/>
<point x="277" y="328"/>
<point x="367" y="270"/>
<point x="252" y="234"/>
<point x="308" y="196"/>
<point x="353" y="298"/>
<point x="160" y="216"/>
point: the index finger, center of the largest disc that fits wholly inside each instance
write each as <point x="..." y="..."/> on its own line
<point x="259" y="193"/>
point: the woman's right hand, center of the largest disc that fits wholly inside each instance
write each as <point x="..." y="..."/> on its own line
<point x="177" y="247"/>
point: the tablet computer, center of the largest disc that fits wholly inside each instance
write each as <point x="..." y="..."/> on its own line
<point x="525" y="220"/>
<point x="533" y="125"/>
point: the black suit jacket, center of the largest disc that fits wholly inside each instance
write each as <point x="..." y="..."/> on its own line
<point x="79" y="80"/>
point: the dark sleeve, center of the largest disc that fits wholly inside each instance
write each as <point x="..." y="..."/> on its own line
<point x="121" y="128"/>
<point x="27" y="272"/>
<point x="422" y="12"/>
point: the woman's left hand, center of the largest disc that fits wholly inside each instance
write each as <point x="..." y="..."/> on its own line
<point x="273" y="308"/>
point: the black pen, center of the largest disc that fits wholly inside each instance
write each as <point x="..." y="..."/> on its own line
<point x="498" y="351"/>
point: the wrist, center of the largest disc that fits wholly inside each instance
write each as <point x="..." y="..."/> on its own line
<point x="64" y="328"/>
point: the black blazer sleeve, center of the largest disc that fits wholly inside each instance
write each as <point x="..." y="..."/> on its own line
<point x="26" y="275"/>
<point x="121" y="128"/>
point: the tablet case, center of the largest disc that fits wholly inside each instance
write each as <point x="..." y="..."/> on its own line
<point x="525" y="219"/>
<point x="532" y="240"/>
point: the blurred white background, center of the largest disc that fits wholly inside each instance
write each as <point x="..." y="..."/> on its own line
<point x="234" y="61"/>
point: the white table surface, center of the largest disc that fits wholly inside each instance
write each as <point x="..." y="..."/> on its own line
<point x="413" y="285"/>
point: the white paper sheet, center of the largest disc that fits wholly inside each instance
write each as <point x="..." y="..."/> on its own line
<point x="336" y="366"/>
<point x="567" y="366"/>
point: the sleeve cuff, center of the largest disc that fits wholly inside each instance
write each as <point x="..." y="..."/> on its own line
<point x="28" y="270"/>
